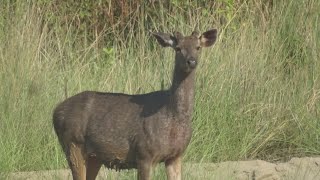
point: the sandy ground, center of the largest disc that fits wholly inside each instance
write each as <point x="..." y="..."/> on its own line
<point x="295" y="169"/>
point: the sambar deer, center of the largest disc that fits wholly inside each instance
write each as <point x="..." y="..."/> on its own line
<point x="124" y="131"/>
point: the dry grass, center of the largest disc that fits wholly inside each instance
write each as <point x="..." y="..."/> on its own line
<point x="257" y="89"/>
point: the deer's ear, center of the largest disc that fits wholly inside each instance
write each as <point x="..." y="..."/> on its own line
<point x="208" y="38"/>
<point x="165" y="40"/>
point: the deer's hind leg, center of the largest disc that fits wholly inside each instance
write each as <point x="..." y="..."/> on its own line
<point x="77" y="161"/>
<point x="93" y="167"/>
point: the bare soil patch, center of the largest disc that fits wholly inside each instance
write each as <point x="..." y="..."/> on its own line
<point x="296" y="169"/>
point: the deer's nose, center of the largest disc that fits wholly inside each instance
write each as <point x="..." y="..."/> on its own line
<point x="192" y="63"/>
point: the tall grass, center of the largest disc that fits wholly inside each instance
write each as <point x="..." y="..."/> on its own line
<point x="257" y="90"/>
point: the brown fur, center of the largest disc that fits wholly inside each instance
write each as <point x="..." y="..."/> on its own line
<point x="173" y="168"/>
<point x="77" y="161"/>
<point x="125" y="131"/>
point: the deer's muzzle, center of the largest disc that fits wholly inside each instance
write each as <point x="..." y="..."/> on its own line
<point x="192" y="63"/>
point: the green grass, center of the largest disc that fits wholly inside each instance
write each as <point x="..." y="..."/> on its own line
<point x="257" y="95"/>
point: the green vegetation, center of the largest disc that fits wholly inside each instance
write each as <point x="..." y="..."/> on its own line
<point x="258" y="88"/>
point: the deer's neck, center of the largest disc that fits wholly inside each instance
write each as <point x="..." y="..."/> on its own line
<point x="182" y="92"/>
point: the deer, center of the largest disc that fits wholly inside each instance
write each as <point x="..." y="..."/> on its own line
<point x="123" y="131"/>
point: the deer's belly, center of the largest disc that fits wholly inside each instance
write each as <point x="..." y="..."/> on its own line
<point x="115" y="155"/>
<point x="119" y="165"/>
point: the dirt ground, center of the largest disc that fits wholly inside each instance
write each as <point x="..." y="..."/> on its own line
<point x="295" y="169"/>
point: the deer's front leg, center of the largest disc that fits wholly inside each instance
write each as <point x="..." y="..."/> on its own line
<point x="173" y="168"/>
<point x="144" y="170"/>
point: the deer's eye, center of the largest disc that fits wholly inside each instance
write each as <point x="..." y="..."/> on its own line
<point x="178" y="49"/>
<point x="198" y="48"/>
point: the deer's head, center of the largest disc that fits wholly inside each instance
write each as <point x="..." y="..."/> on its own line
<point x="187" y="48"/>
